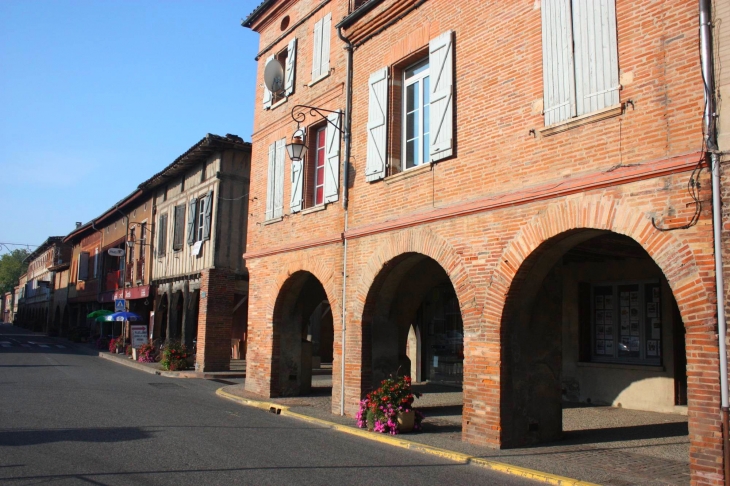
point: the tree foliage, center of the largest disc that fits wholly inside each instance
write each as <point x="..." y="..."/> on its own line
<point x="11" y="268"/>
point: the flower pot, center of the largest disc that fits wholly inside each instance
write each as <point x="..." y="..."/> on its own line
<point x="406" y="421"/>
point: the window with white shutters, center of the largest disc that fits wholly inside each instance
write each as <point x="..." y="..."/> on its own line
<point x="321" y="54"/>
<point x="580" y="58"/>
<point x="275" y="181"/>
<point x="332" y="158"/>
<point x="377" y="126"/>
<point x="287" y="57"/>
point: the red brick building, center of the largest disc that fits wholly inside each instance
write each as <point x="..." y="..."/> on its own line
<point x="516" y="174"/>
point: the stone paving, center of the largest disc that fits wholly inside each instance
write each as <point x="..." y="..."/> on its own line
<point x="603" y="445"/>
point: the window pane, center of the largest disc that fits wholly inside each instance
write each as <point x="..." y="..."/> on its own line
<point x="411" y="97"/>
<point x="411" y="154"/>
<point x="412" y="125"/>
<point x="418" y="68"/>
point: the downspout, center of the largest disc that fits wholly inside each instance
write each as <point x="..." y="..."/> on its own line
<point x="708" y="77"/>
<point x="345" y="200"/>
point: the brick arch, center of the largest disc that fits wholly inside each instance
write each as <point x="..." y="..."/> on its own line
<point x="316" y="267"/>
<point x="427" y="243"/>
<point x="669" y="251"/>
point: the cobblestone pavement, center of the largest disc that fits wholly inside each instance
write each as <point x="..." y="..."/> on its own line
<point x="604" y="445"/>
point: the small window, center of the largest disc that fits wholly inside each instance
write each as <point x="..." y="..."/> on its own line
<point x="200" y="219"/>
<point x="162" y="235"/>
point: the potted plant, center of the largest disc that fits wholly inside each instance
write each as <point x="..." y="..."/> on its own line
<point x="390" y="408"/>
<point x="146" y="353"/>
<point x="175" y="357"/>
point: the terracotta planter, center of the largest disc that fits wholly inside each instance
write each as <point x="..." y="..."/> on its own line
<point x="406" y="421"/>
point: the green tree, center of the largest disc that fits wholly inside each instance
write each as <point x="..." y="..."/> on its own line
<point x="11" y="268"/>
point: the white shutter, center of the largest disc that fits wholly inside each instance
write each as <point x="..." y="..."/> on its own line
<point x="295" y="204"/>
<point x="279" y="180"/>
<point x="441" y="118"/>
<point x="271" y="182"/>
<point x="332" y="158"/>
<point x="317" y="54"/>
<point x="596" y="57"/>
<point x="267" y="93"/>
<point x="377" y="117"/>
<point x="326" y="34"/>
<point x="291" y="64"/>
<point x="557" y="61"/>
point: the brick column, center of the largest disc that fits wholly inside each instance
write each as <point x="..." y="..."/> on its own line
<point x="215" y="320"/>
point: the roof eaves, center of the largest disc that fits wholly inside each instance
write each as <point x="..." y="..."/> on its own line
<point x="248" y="21"/>
<point x="356" y="14"/>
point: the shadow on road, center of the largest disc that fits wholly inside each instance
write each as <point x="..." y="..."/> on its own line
<point x="13" y="437"/>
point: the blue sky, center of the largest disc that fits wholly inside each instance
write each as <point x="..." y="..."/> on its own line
<point x="96" y="96"/>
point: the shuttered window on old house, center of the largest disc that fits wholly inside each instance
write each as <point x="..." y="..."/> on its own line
<point x="178" y="233"/>
<point x="321" y="54"/>
<point x="162" y="235"/>
<point x="288" y="59"/>
<point x="425" y="121"/>
<point x="275" y="181"/>
<point x="580" y="58"/>
<point x="83" y="266"/>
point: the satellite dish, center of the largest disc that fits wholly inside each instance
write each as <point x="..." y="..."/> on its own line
<point x="274" y="76"/>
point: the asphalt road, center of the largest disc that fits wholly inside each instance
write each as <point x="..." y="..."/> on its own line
<point x="67" y="417"/>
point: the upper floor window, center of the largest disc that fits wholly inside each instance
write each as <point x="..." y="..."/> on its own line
<point x="580" y="58"/>
<point x="321" y="54"/>
<point x="416" y="94"/>
<point x="288" y="59"/>
<point x="422" y="112"/>
<point x="162" y="235"/>
<point x="179" y="228"/>
<point x="199" y="218"/>
<point x="318" y="167"/>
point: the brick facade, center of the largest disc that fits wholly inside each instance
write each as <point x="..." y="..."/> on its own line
<point x="505" y="198"/>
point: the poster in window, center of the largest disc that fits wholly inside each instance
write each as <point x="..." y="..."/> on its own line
<point x="634" y="344"/>
<point x="599" y="318"/>
<point x="599" y="302"/>
<point x="634" y="312"/>
<point x="634" y="298"/>
<point x="600" y="346"/>
<point x="608" y="317"/>
<point x="608" y="302"/>
<point x="623" y="346"/>
<point x="624" y="299"/>
<point x="608" y="331"/>
<point x="656" y="329"/>
<point x="634" y="328"/>
<point x="600" y="332"/>
<point x="652" y="309"/>
<point x="609" y="347"/>
<point x="652" y="348"/>
<point x="625" y="329"/>
<point x="624" y="316"/>
<point x="655" y="294"/>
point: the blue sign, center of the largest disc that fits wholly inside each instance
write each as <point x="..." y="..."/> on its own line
<point x="119" y="305"/>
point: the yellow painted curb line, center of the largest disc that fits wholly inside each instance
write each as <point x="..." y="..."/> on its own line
<point x="523" y="472"/>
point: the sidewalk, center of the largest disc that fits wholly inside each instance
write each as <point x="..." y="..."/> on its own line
<point x="156" y="369"/>
<point x="602" y="445"/>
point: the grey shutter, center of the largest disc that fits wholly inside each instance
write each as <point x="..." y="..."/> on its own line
<point x="192" y="210"/>
<point x="377" y="117"/>
<point x="279" y="179"/>
<point x="207" y="213"/>
<point x="317" y="54"/>
<point x="557" y="61"/>
<point x="291" y="64"/>
<point x="179" y="232"/>
<point x="297" y="183"/>
<point x="324" y="60"/>
<point x="83" y="266"/>
<point x="271" y="182"/>
<point x="596" y="56"/>
<point x="332" y="158"/>
<point x="267" y="93"/>
<point x="441" y="118"/>
<point x="162" y="235"/>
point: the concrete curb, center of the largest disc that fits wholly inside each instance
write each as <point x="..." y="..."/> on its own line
<point x="526" y="473"/>
<point x="168" y="374"/>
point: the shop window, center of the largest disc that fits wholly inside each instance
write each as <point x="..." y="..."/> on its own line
<point x="626" y="322"/>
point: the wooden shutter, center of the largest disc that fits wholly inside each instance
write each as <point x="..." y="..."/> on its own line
<point x="297" y="186"/>
<point x="271" y="182"/>
<point x="207" y="214"/>
<point x="83" y="266"/>
<point x="192" y="211"/>
<point x="162" y="235"/>
<point x="279" y="179"/>
<point x="317" y="54"/>
<point x="377" y="118"/>
<point x="325" y="56"/>
<point x="441" y="117"/>
<point x="291" y="64"/>
<point x="177" y="237"/>
<point x="267" y="94"/>
<point x="557" y="61"/>
<point x="596" y="56"/>
<point x="332" y="158"/>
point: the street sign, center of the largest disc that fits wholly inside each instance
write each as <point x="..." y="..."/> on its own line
<point x="139" y="335"/>
<point x="116" y="252"/>
<point x="120" y="305"/>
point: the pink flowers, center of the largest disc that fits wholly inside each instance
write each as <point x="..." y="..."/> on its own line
<point x="379" y="410"/>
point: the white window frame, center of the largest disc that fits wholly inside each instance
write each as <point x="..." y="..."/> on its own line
<point x="424" y="152"/>
<point x="317" y="149"/>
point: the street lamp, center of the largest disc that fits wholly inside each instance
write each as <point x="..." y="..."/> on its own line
<point x="296" y="148"/>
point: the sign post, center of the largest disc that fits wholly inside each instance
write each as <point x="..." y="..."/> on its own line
<point x="120" y="305"/>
